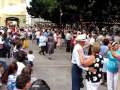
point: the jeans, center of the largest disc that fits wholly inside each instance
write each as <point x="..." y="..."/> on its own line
<point x="37" y="41"/>
<point x="4" y="64"/>
<point x="77" y="78"/>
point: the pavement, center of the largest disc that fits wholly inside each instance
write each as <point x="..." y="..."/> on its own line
<point x="56" y="72"/>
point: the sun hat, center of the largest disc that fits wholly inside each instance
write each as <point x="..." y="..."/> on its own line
<point x="114" y="43"/>
<point x="81" y="37"/>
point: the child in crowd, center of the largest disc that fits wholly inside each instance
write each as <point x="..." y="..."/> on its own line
<point x="30" y="57"/>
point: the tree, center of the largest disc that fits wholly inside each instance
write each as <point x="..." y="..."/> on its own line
<point x="72" y="11"/>
<point x="103" y="10"/>
<point x="43" y="8"/>
<point x="68" y="10"/>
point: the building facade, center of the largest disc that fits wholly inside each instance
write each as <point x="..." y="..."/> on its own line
<point x="13" y="12"/>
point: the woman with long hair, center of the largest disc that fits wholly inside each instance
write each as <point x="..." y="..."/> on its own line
<point x="9" y="76"/>
<point x="115" y="51"/>
<point x="112" y="67"/>
<point x="94" y="63"/>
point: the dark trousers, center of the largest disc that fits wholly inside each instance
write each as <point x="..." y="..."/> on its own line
<point x="68" y="46"/>
<point x="55" y="45"/>
<point x="77" y="78"/>
<point x="43" y="50"/>
<point x="46" y="48"/>
<point x="37" y="41"/>
<point x="4" y="64"/>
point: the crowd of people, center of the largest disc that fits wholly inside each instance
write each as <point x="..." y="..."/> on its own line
<point x="17" y="62"/>
<point x="94" y="50"/>
<point x="98" y="55"/>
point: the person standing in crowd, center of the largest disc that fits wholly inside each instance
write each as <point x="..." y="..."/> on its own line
<point x="42" y="43"/>
<point x="3" y="50"/>
<point x="30" y="57"/>
<point x="63" y="38"/>
<point x="50" y="45"/>
<point x="59" y="40"/>
<point x="77" y="61"/>
<point x="9" y="76"/>
<point x="116" y="55"/>
<point x="77" y="79"/>
<point x="22" y="34"/>
<point x="17" y="46"/>
<point x="29" y="33"/>
<point x="7" y="43"/>
<point x="100" y="38"/>
<point x="46" y="33"/>
<point x="20" y="57"/>
<point x="73" y="42"/>
<point x="25" y="43"/>
<point x="55" y="39"/>
<point x="37" y="34"/>
<point x="93" y="79"/>
<point x="117" y="38"/>
<point x="103" y="51"/>
<point x="68" y="39"/>
<point x="112" y="68"/>
<point x="23" y="82"/>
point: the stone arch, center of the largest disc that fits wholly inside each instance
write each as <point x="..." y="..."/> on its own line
<point x="11" y="19"/>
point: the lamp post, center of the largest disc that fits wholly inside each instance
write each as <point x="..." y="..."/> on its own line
<point x="61" y="13"/>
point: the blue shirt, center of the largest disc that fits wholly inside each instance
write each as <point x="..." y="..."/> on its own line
<point x="11" y="84"/>
<point x="103" y="50"/>
<point x="46" y="34"/>
<point x="113" y="63"/>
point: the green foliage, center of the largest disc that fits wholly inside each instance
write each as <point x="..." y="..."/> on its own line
<point x="52" y="9"/>
<point x="72" y="10"/>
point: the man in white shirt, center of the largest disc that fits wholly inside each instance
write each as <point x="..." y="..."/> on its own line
<point x="77" y="80"/>
<point x="68" y="39"/>
<point x="42" y="43"/>
<point x="37" y="34"/>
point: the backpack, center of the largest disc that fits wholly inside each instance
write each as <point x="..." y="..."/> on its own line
<point x="39" y="85"/>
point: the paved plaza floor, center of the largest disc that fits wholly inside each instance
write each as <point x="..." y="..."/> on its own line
<point x="56" y="72"/>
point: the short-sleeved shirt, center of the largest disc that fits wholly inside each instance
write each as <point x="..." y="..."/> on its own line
<point x="113" y="63"/>
<point x="98" y="65"/>
<point x="76" y="57"/>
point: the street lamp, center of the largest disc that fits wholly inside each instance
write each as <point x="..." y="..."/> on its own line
<point x="61" y="13"/>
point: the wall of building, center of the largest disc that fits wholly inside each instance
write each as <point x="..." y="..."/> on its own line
<point x="20" y="15"/>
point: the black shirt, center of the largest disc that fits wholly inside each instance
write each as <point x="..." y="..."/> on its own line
<point x="98" y="65"/>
